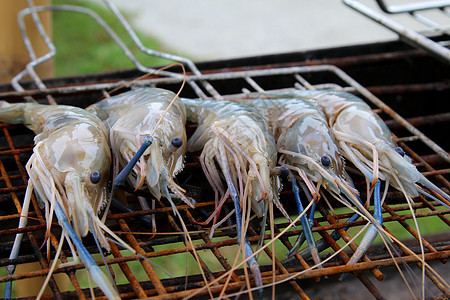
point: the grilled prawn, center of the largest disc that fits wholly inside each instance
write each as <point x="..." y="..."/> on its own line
<point x="134" y="117"/>
<point x="236" y="138"/>
<point x="68" y="171"/>
<point x="367" y="142"/>
<point x="305" y="140"/>
<point x="307" y="146"/>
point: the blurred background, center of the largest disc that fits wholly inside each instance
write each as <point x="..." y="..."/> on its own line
<point x="205" y="29"/>
<point x="198" y="29"/>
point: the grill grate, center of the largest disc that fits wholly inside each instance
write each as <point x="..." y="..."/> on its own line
<point x="138" y="278"/>
<point x="141" y="279"/>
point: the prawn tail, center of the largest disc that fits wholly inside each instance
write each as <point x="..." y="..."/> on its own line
<point x="12" y="113"/>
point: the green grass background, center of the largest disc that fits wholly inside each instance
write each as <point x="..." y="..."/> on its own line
<point x="83" y="46"/>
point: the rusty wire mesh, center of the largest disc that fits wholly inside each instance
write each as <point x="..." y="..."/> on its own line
<point x="138" y="278"/>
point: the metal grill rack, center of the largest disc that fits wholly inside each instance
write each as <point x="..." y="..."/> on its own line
<point x="437" y="23"/>
<point x="417" y="134"/>
<point x="17" y="146"/>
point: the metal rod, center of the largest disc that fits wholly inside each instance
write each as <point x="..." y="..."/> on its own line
<point x="412" y="6"/>
<point x="410" y="36"/>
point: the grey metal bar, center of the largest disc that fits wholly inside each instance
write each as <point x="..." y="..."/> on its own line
<point x="29" y="70"/>
<point x="411" y="7"/>
<point x="172" y="57"/>
<point x="410" y="36"/>
<point x="260" y="73"/>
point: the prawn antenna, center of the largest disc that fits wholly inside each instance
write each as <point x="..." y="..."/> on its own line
<point x="307" y="233"/>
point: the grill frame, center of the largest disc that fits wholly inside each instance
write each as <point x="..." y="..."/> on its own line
<point x="414" y="10"/>
<point x="353" y="66"/>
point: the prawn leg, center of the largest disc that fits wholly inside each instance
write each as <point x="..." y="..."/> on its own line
<point x="252" y="263"/>
<point x="432" y="197"/>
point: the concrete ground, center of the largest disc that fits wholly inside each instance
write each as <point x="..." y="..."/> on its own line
<point x="207" y="30"/>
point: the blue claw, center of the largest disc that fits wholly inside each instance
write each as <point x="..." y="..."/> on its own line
<point x="123" y="208"/>
<point x="8" y="289"/>
<point x="304" y="220"/>
<point x="91" y="265"/>
<point x="298" y="243"/>
<point x="252" y="263"/>
<point x="122" y="176"/>
<point x="301" y="238"/>
<point x="372" y="232"/>
<point x="425" y="182"/>
<point x="432" y="197"/>
<point x="322" y="244"/>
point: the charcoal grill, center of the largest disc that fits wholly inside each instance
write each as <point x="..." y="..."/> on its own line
<point x="407" y="87"/>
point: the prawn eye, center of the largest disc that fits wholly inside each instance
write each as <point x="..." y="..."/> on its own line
<point x="177" y="142"/>
<point x="400" y="151"/>
<point x="95" y="177"/>
<point x="284" y="171"/>
<point x="325" y="160"/>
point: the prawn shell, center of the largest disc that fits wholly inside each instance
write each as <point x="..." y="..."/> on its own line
<point x="70" y="143"/>
<point x="351" y="115"/>
<point x="136" y="114"/>
<point x="248" y="129"/>
<point x="301" y="127"/>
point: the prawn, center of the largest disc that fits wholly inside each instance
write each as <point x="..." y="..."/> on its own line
<point x="367" y="142"/>
<point x="68" y="171"/>
<point x="236" y="138"/>
<point x="307" y="147"/>
<point x="148" y="139"/>
<point x="147" y="115"/>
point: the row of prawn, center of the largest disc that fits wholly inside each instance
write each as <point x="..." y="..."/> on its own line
<point x="239" y="144"/>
